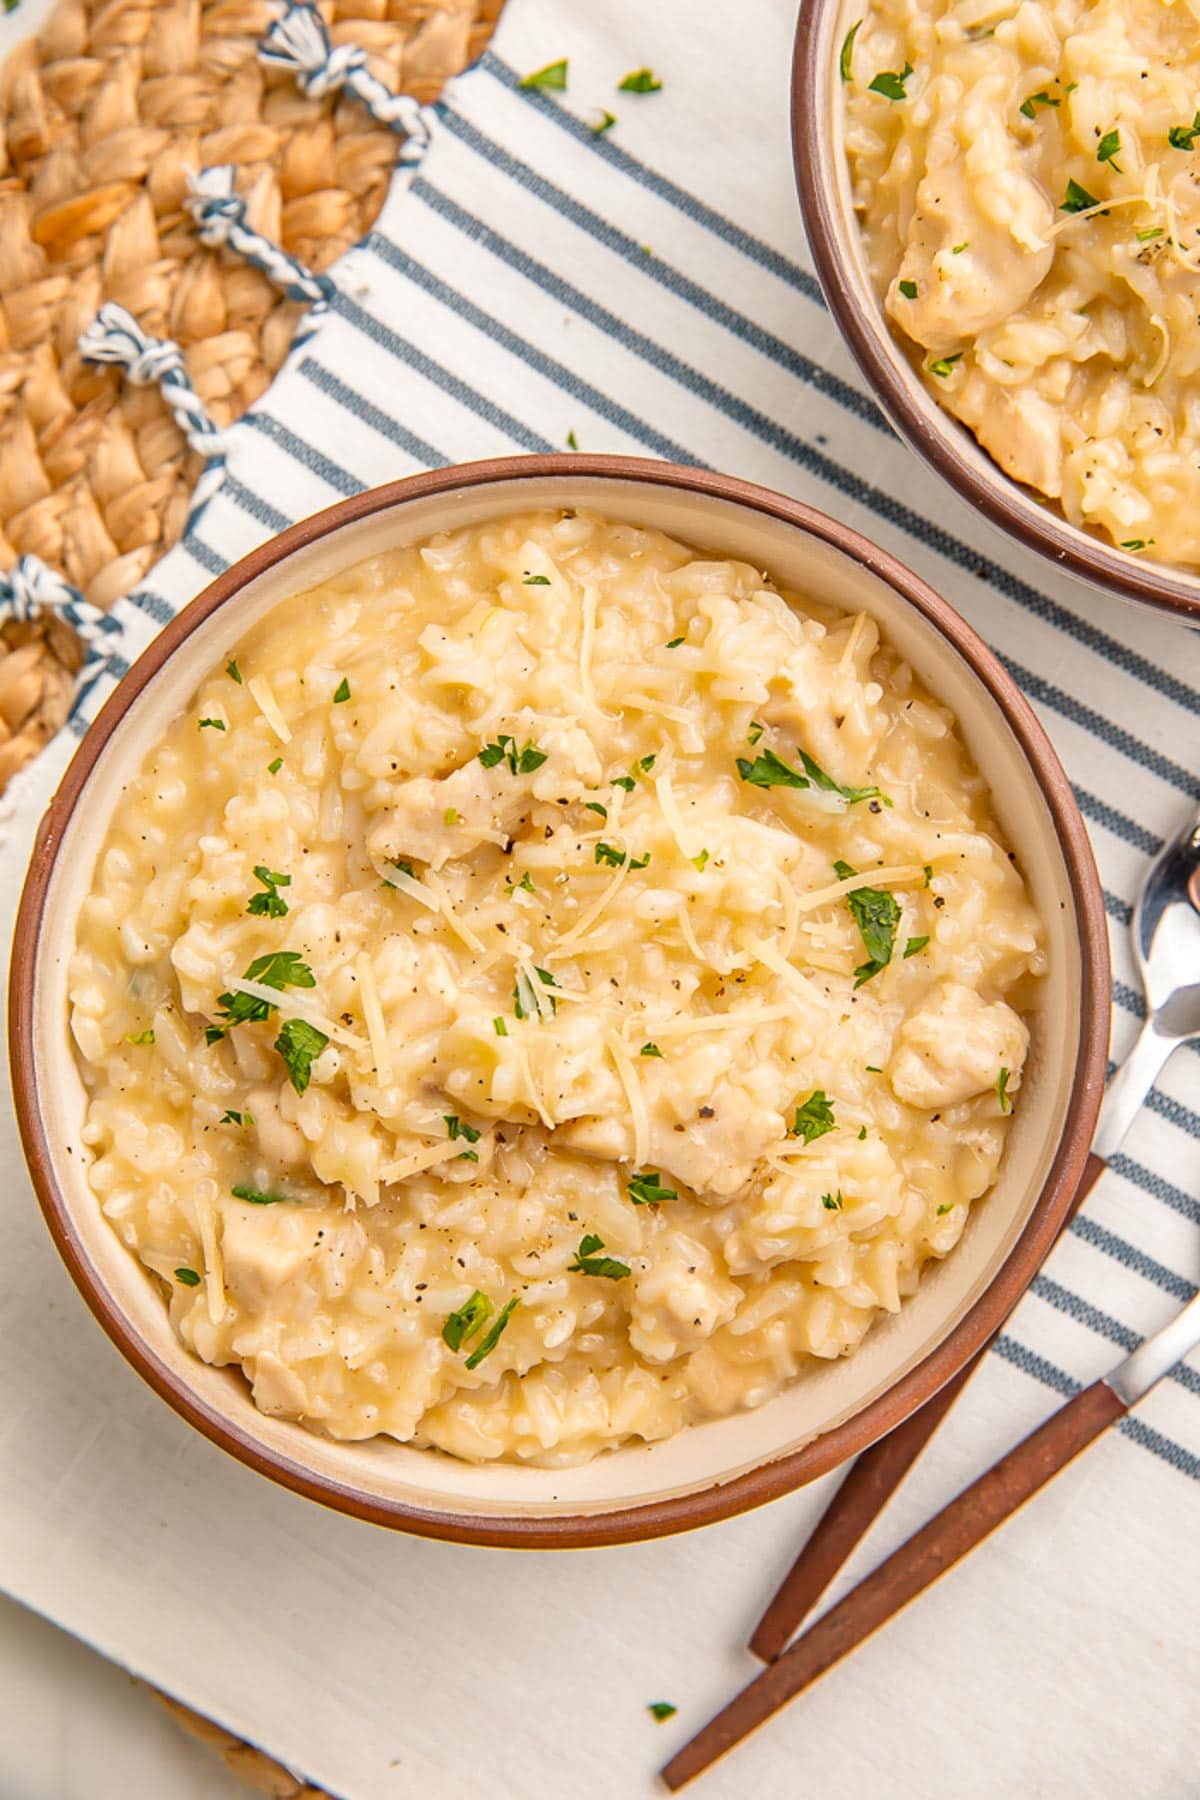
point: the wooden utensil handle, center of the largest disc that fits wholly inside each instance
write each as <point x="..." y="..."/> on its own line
<point x="872" y="1481"/>
<point x="945" y="1540"/>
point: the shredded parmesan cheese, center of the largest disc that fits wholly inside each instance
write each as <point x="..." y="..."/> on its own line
<point x="373" y="1014"/>
<point x="633" y="1093"/>
<point x="419" y="1161"/>
<point x="259" y="689"/>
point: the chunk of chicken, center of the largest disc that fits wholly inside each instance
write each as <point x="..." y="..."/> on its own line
<point x="976" y="241"/>
<point x="1021" y="429"/>
<point x="680" y="1300"/>
<point x="435" y="819"/>
<point x="714" y="1153"/>
<point x="955" y="1048"/>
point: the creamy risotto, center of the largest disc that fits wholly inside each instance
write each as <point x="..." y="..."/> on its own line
<point x="1027" y="173"/>
<point x="547" y="988"/>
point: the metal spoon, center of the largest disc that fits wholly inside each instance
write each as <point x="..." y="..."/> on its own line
<point x="1166" y="942"/>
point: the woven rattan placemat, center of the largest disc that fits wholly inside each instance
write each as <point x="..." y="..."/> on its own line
<point x="101" y="117"/>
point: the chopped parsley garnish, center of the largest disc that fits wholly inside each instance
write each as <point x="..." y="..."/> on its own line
<point x="471" y="1317"/>
<point x="588" y="1263"/>
<point x="607" y="853"/>
<point x="520" y="762"/>
<point x="908" y="289"/>
<point x="606" y="122"/>
<point x="873" y="1069"/>
<point x="554" y="76"/>
<point x="462" y="1326"/>
<point x="1002" y="1092"/>
<point x="572" y="441"/>
<point x="649" y="1050"/>
<point x="891" y="85"/>
<point x="674" y="643"/>
<point x="928" y="873"/>
<point x="846" y="65"/>
<point x="525" y="883"/>
<point x="230" y="1117"/>
<point x="256" y="1196"/>
<point x="958" y="249"/>
<point x="458" y="1128"/>
<point x="647" y="763"/>
<point x="942" y="365"/>
<point x="212" y="725"/>
<point x="271" y="903"/>
<point x="817" y="775"/>
<point x="769" y="770"/>
<point x="300" y="1044"/>
<point x="341" y="692"/>
<point x="945" y="1208"/>
<point x="625" y="781"/>
<point x="274" y="766"/>
<point x="1077" y="198"/>
<point x="1183" y="137"/>
<point x="450" y="816"/>
<point x="232" y="670"/>
<point x="814" y="1118"/>
<point x="700" y="861"/>
<point x="832" y="1202"/>
<point x="537" y="581"/>
<point x="1108" y="148"/>
<point x="639" y="81"/>
<point x="187" y="1277"/>
<point x="213" y="1034"/>
<point x="493" y="1337"/>
<point x="499" y="1027"/>
<point x="278" y="969"/>
<point x="755" y="732"/>
<point x="1029" y="106"/>
<point x="1152" y="231"/>
<point x="662" y="1709"/>
<point x="862" y="1132"/>
<point x="647" y="1189"/>
<point x="596" y="807"/>
<point x="877" y="914"/>
<point x="525" y="1005"/>
<point x="141" y="1037"/>
<point x="1135" y="543"/>
<point x="914" y="945"/>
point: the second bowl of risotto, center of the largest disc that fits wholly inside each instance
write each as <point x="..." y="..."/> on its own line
<point x="561" y="999"/>
<point x="1001" y="201"/>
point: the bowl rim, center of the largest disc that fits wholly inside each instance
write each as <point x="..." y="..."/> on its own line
<point x="1002" y="500"/>
<point x="772" y="1477"/>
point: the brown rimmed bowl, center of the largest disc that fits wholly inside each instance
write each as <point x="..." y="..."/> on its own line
<point x="834" y="236"/>
<point x="707" y="1471"/>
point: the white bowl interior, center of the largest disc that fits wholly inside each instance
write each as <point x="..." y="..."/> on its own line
<point x="831" y="23"/>
<point x="700" y="1455"/>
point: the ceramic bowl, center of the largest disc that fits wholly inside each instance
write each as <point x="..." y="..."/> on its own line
<point x="706" y="1471"/>
<point x="823" y="180"/>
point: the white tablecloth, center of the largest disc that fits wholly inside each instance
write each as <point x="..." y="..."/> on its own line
<point x="649" y="290"/>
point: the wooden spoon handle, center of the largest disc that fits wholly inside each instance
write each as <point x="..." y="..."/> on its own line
<point x="868" y="1487"/>
<point x="945" y="1540"/>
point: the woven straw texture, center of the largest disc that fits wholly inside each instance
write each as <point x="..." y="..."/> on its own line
<point x="100" y="119"/>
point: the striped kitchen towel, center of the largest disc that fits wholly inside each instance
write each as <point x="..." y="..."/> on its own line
<point x="534" y="283"/>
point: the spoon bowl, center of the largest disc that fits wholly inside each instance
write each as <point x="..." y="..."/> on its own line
<point x="1166" y="943"/>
